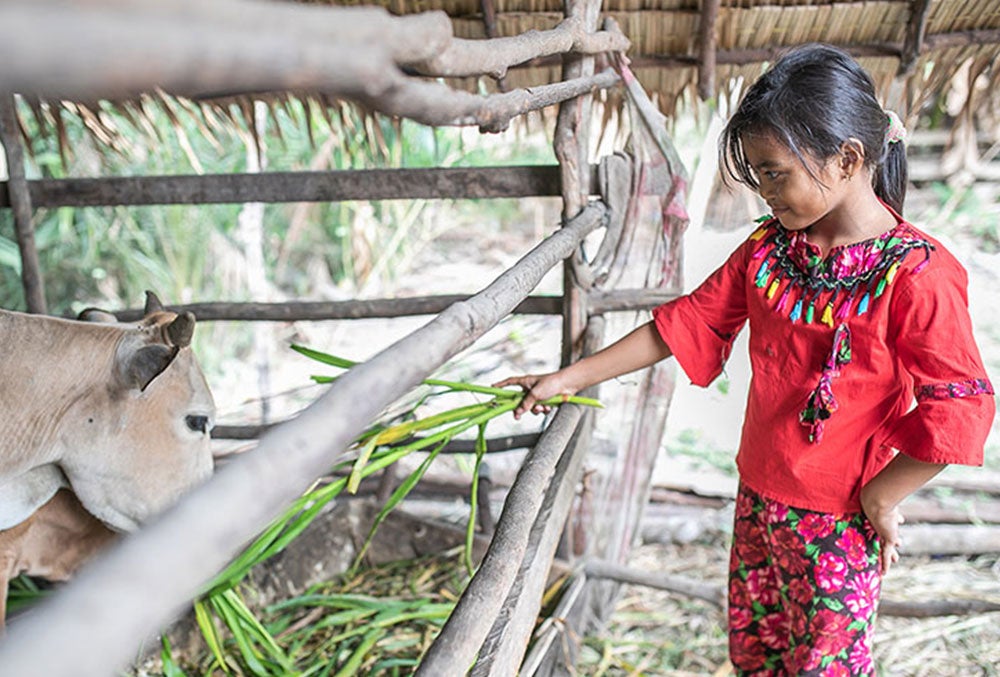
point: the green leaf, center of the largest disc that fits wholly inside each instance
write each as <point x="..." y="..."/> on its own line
<point x="357" y="657"/>
<point x="470" y="527"/>
<point x="170" y="668"/>
<point x="396" y="498"/>
<point x="210" y="634"/>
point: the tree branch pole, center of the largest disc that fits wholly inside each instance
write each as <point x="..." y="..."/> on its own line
<point x="572" y="149"/>
<point x="504" y="648"/>
<point x="464" y="58"/>
<point x="456" y="646"/>
<point x="20" y="201"/>
<point x="307" y="311"/>
<point x="458" y="183"/>
<point x="118" y="50"/>
<point x="140" y="585"/>
<point x="598" y="303"/>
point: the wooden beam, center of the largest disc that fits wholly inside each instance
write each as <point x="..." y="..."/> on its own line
<point x="706" y="48"/>
<point x="599" y="303"/>
<point x="451" y="183"/>
<point x="306" y="311"/>
<point x="916" y="29"/>
<point x="19" y="197"/>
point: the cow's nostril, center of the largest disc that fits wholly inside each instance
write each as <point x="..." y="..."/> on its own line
<point x="197" y="423"/>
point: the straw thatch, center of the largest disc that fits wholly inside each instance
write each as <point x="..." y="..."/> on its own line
<point x="917" y="51"/>
<point x="928" y="41"/>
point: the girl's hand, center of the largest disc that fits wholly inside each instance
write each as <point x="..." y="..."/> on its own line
<point x="537" y="388"/>
<point x="886" y="523"/>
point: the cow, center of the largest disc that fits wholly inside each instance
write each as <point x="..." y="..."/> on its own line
<point x="52" y="544"/>
<point x="118" y="412"/>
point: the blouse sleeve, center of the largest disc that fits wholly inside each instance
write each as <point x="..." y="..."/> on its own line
<point x="954" y="398"/>
<point x="700" y="327"/>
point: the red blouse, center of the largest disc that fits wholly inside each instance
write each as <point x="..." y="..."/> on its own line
<point x="842" y="347"/>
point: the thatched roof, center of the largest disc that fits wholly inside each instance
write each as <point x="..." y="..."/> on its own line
<point x="929" y="40"/>
<point x="916" y="50"/>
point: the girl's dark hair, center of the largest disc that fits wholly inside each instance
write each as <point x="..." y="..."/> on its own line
<point x="813" y="99"/>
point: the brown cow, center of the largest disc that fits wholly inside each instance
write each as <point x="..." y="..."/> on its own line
<point x="52" y="544"/>
<point x="119" y="412"/>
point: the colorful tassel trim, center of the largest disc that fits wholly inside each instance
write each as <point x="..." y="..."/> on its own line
<point x="821" y="403"/>
<point x="858" y="273"/>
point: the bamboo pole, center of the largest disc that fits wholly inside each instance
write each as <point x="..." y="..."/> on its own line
<point x="137" y="587"/>
<point x="20" y="201"/>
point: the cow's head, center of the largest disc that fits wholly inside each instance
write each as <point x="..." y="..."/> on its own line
<point x="141" y="438"/>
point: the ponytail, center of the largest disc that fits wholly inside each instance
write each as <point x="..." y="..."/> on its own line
<point x="891" y="175"/>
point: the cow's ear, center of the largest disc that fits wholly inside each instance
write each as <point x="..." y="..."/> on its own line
<point x="141" y="366"/>
<point x="181" y="329"/>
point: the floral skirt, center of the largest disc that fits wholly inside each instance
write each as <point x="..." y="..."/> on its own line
<point x="803" y="590"/>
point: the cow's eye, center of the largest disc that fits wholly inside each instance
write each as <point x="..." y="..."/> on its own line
<point x="197" y="423"/>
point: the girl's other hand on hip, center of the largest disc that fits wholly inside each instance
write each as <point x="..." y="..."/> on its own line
<point x="885" y="521"/>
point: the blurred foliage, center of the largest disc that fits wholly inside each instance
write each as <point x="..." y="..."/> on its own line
<point x="110" y="256"/>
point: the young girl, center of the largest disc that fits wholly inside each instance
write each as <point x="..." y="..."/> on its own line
<point x="866" y="380"/>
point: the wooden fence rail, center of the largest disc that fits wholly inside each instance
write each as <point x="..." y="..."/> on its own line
<point x="319" y="186"/>
<point x="144" y="582"/>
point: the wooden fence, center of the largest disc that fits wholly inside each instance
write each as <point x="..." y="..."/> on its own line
<point x="94" y="626"/>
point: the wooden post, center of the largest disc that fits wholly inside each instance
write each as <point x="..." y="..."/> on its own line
<point x="572" y="145"/>
<point x="706" y="47"/>
<point x="504" y="648"/>
<point x="20" y="201"/>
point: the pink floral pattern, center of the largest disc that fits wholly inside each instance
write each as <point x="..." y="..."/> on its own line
<point x="805" y="602"/>
<point x="946" y="391"/>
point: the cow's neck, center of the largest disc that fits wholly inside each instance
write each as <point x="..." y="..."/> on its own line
<point x="46" y="365"/>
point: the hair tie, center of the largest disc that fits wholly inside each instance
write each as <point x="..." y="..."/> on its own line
<point x="896" y="131"/>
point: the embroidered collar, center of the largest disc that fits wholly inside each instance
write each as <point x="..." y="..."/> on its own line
<point x="843" y="283"/>
<point x="848" y="277"/>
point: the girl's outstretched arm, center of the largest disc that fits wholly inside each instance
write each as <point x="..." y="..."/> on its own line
<point x="880" y="500"/>
<point x="641" y="348"/>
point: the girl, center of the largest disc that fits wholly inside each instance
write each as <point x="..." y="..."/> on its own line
<point x="866" y="380"/>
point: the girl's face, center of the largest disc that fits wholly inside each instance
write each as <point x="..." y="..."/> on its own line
<point x="796" y="198"/>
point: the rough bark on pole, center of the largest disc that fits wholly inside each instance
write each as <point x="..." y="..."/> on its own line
<point x="119" y="50"/>
<point x="456" y="646"/>
<point x="141" y="584"/>
<point x="504" y="648"/>
<point x="572" y="149"/>
<point x="20" y="201"/>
